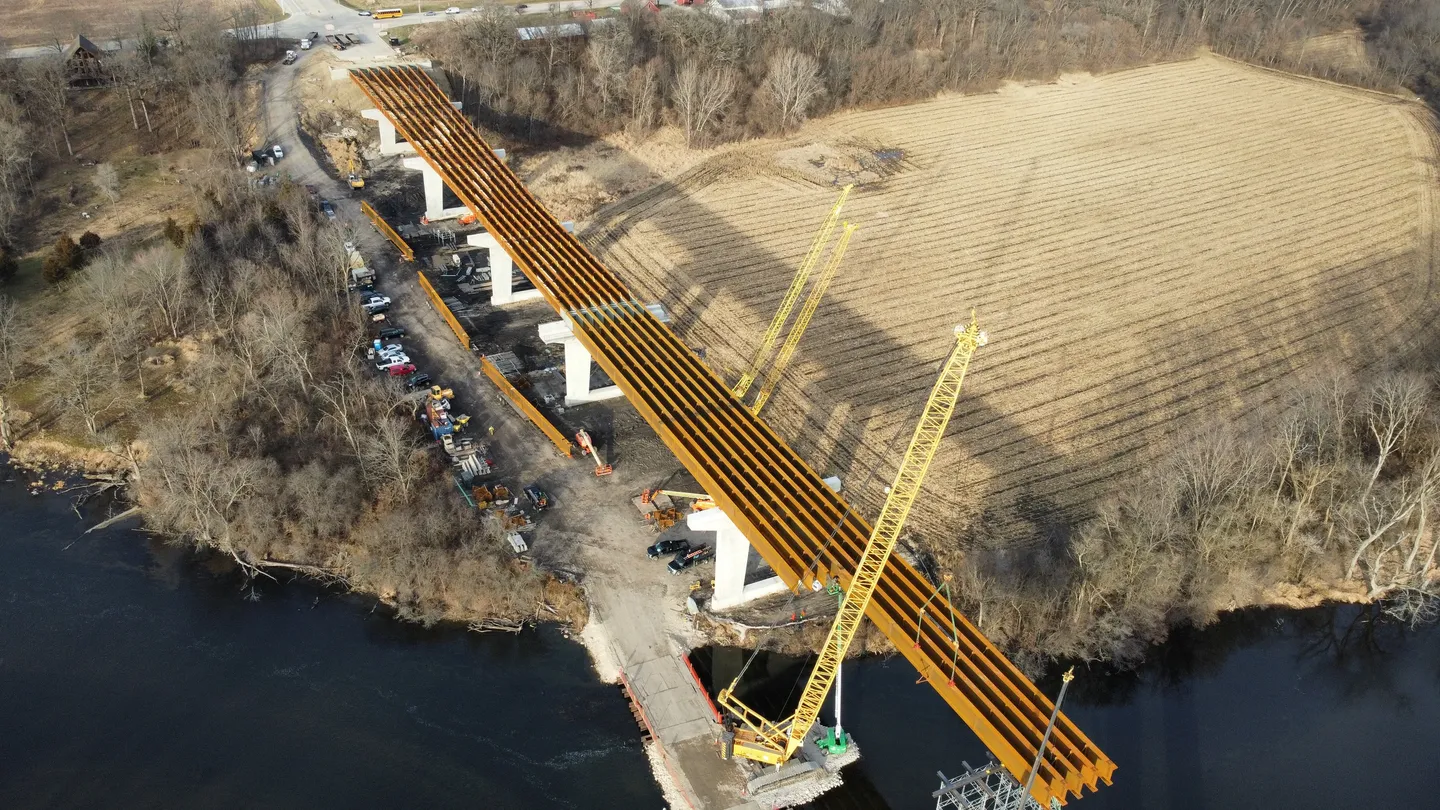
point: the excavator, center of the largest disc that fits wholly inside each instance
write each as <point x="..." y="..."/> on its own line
<point x="775" y="742"/>
<point x="356" y="181"/>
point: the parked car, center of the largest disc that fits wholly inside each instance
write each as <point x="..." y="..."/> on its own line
<point x="388" y="351"/>
<point x="421" y="380"/>
<point x="402" y="369"/>
<point x="664" y="547"/>
<point x="373" y="301"/>
<point x="327" y="208"/>
<point x="387" y="363"/>
<point x="391" y="333"/>
<point x="694" y="556"/>
<point x="364" y="14"/>
<point x="377" y="311"/>
<point x="277" y="151"/>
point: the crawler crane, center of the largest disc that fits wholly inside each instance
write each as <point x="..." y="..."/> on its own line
<point x="775" y="742"/>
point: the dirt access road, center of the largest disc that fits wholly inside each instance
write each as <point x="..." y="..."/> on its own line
<point x="1151" y="251"/>
<point x="638" y="622"/>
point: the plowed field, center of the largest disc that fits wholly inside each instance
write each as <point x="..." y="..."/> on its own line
<point x="1148" y="250"/>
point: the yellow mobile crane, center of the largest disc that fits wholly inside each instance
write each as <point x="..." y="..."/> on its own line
<point x="792" y="295"/>
<point x="773" y="743"/>
<point x="812" y="303"/>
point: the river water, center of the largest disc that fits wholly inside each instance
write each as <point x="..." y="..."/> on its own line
<point x="1276" y="710"/>
<point x="133" y="676"/>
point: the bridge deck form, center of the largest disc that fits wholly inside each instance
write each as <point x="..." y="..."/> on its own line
<point x="800" y="526"/>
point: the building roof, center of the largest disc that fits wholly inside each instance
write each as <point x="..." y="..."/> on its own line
<point x="80" y="43"/>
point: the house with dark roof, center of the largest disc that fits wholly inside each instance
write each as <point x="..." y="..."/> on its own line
<point x="84" y="63"/>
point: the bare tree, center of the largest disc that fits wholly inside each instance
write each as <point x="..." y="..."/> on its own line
<point x="645" y="89"/>
<point x="16" y="154"/>
<point x="610" y="51"/>
<point x="162" y="286"/>
<point x="214" y="106"/>
<point x="793" y="84"/>
<point x="701" y="95"/>
<point x="11" y="332"/>
<point x="107" y="180"/>
<point x="1396" y="403"/>
<point x="77" y="380"/>
<point x="389" y="454"/>
<point x="48" y="86"/>
<point x="5" y="418"/>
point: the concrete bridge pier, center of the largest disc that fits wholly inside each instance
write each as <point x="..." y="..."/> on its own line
<point x="502" y="273"/>
<point x="435" y="209"/>
<point x="390" y="141"/>
<point x="732" y="560"/>
<point x="578" y="362"/>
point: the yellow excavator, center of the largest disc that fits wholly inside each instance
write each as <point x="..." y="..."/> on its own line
<point x="774" y="742"/>
<point x="356" y="181"/>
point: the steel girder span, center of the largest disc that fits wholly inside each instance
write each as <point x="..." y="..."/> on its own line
<point x="761" y="483"/>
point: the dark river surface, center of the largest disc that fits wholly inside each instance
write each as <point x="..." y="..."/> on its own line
<point x="131" y="676"/>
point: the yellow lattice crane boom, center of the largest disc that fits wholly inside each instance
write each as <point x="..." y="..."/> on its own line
<point x="792" y="295"/>
<point x="775" y="742"/>
<point x="812" y="303"/>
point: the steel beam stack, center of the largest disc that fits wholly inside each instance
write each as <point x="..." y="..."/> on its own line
<point x="802" y="527"/>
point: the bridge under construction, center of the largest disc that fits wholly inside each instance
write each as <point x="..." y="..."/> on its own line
<point x="803" y="529"/>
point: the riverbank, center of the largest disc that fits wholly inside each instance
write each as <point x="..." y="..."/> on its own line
<point x="799" y="633"/>
<point x="48" y="461"/>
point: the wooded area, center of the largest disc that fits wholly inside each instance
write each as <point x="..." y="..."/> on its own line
<point x="722" y="81"/>
<point x="1334" y="485"/>
<point x="267" y="440"/>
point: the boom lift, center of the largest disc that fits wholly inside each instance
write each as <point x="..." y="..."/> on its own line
<point x="812" y="303"/>
<point x="791" y="296"/>
<point x="773" y="742"/>
<point x="587" y="447"/>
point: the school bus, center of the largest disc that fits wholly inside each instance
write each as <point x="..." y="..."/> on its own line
<point x="387" y="13"/>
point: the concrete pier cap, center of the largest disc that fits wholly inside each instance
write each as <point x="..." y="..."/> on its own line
<point x="578" y="362"/>
<point x="732" y="558"/>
